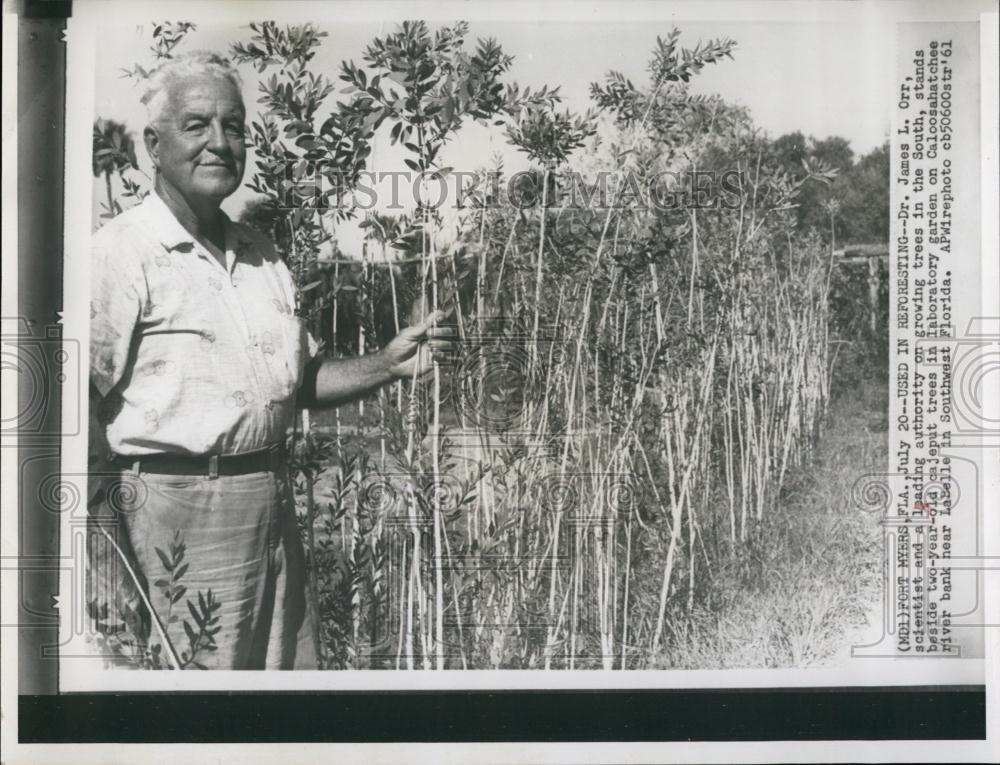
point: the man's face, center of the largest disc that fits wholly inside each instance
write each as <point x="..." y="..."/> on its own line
<point x="198" y="144"/>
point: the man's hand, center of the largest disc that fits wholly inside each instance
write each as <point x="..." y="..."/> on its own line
<point x="336" y="381"/>
<point x="415" y="349"/>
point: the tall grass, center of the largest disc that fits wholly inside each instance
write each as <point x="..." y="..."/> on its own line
<point x="674" y="367"/>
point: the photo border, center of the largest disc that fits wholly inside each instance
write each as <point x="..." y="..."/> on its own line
<point x="44" y="717"/>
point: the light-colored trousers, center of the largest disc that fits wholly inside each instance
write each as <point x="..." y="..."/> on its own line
<point x="241" y="541"/>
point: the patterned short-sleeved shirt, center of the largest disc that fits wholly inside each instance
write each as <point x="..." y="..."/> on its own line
<point x="189" y="356"/>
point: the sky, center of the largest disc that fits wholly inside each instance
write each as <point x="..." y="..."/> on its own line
<point x="821" y="78"/>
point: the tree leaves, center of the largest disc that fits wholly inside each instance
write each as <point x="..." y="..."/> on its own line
<point x="168" y="564"/>
<point x="113" y="148"/>
<point x="548" y="136"/>
<point x="669" y="64"/>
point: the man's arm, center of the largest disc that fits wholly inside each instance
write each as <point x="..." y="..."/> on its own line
<point x="332" y="382"/>
<point x="412" y="353"/>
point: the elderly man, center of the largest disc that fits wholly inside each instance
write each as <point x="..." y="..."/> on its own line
<point x="197" y="362"/>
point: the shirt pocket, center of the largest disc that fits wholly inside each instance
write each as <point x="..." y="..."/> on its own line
<point x="282" y="347"/>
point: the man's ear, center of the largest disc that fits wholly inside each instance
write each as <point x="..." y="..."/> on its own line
<point x="152" y="141"/>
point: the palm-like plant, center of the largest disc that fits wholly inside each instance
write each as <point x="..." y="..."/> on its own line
<point x="114" y="151"/>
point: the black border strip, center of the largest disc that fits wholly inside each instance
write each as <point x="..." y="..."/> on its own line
<point x="41" y="106"/>
<point x="507" y="716"/>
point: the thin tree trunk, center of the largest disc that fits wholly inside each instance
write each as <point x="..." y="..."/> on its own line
<point x="111" y="198"/>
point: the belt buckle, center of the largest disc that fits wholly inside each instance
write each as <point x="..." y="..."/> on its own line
<point x="213" y="466"/>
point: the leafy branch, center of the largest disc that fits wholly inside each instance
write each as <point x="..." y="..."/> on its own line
<point x="113" y="153"/>
<point x="204" y="614"/>
<point x="167" y="35"/>
<point x="668" y="64"/>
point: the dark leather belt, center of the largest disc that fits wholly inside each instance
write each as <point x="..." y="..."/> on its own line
<point x="210" y="465"/>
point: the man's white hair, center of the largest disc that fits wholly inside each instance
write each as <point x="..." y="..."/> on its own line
<point x="194" y="64"/>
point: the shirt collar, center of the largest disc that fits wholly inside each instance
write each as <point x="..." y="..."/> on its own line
<point x="172" y="235"/>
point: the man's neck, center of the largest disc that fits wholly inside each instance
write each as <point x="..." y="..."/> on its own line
<point x="205" y="221"/>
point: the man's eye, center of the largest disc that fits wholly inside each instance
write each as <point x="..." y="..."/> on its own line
<point x="194" y="126"/>
<point x="236" y="130"/>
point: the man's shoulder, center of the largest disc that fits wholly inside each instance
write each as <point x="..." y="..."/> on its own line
<point x="130" y="227"/>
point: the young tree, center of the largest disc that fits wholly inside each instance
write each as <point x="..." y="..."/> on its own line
<point x="114" y="151"/>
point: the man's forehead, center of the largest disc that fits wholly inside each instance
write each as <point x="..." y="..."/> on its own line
<point x="205" y="93"/>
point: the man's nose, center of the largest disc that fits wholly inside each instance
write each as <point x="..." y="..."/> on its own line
<point x="217" y="138"/>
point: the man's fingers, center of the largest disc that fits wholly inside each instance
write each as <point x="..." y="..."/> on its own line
<point x="421" y="329"/>
<point x="438" y="343"/>
<point x="443" y="332"/>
